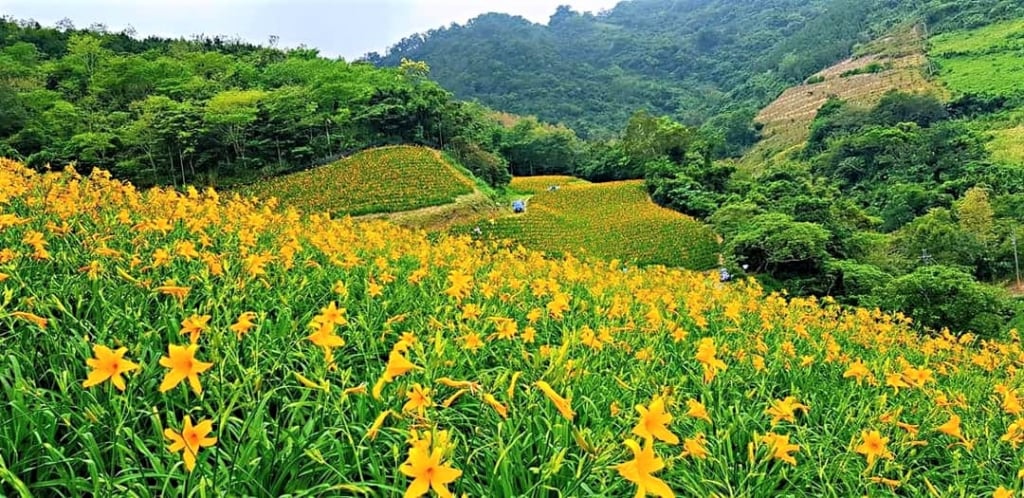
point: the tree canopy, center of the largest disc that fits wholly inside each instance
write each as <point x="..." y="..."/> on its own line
<point x="211" y="110"/>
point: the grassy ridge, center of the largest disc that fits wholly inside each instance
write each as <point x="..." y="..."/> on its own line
<point x="388" y="179"/>
<point x="609" y="220"/>
<point x="985" y="60"/>
<point x="334" y="348"/>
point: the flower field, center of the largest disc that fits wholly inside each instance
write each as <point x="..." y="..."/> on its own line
<point x="194" y="344"/>
<point x="614" y="220"/>
<point x="541" y="183"/>
<point x="383" y="180"/>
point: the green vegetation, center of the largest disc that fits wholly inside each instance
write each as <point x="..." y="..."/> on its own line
<point x="614" y="220"/>
<point x="897" y="206"/>
<point x="983" y="67"/>
<point x="982" y="61"/>
<point x="1007" y="145"/>
<point x="978" y="40"/>
<point x="689" y="60"/>
<point x="390" y="179"/>
<point x="215" y="111"/>
<point x="871" y="68"/>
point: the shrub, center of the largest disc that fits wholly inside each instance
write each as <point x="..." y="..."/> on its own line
<point x="939" y="297"/>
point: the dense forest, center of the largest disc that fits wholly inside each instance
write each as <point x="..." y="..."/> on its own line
<point x="692" y="60"/>
<point x="213" y="110"/>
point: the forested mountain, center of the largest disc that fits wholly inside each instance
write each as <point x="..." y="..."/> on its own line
<point x="688" y="59"/>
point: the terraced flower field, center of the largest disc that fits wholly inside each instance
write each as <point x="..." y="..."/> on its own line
<point x="607" y="220"/>
<point x="191" y="344"/>
<point x="538" y="184"/>
<point x="787" y="120"/>
<point x="383" y="180"/>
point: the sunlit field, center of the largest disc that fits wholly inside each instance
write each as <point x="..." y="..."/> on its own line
<point x="384" y="180"/>
<point x="613" y="220"/>
<point x="194" y="344"/>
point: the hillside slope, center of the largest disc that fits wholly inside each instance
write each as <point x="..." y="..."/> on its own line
<point x="382" y="180"/>
<point x="614" y="220"/>
<point x="983" y="63"/>
<point x="893" y="62"/>
<point x="689" y="59"/>
<point x="986" y="66"/>
<point x="331" y="358"/>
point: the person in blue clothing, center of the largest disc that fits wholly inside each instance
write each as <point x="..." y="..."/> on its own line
<point x="518" y="206"/>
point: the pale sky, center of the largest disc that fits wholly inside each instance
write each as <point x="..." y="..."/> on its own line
<point x="347" y="28"/>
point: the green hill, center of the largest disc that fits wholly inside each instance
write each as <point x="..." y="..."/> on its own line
<point x="388" y="179"/>
<point x="985" y="61"/>
<point x="209" y="111"/>
<point x="984" y="68"/>
<point x="689" y="59"/>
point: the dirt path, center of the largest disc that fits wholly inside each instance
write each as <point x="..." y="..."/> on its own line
<point x="465" y="207"/>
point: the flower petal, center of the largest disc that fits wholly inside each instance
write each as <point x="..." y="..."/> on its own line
<point x="417" y="488"/>
<point x="118" y="382"/>
<point x="193" y="380"/>
<point x="171" y="380"/>
<point x="95" y="377"/>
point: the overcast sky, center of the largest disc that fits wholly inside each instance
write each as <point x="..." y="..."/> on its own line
<point x="347" y="28"/>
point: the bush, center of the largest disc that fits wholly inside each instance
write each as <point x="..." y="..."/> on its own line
<point x="775" y="244"/>
<point x="855" y="282"/>
<point x="971" y="105"/>
<point x="683" y="194"/>
<point x="942" y="297"/>
<point x="872" y="68"/>
<point x="41" y="160"/>
<point x="9" y="152"/>
<point x="486" y="166"/>
<point x="899" y="107"/>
